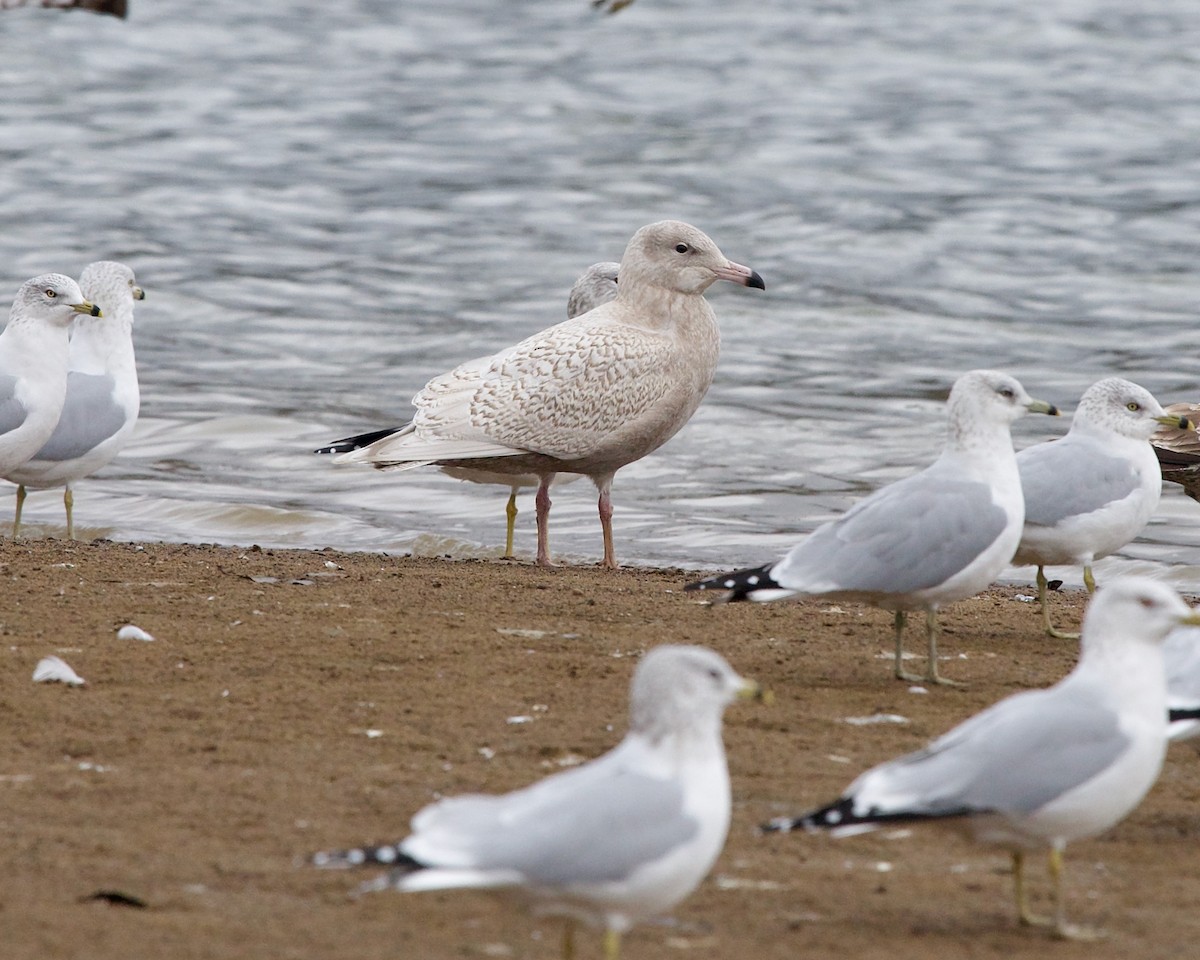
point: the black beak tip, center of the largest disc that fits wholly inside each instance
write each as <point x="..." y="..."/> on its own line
<point x="756" y="281"/>
<point x="1184" y="424"/>
<point x="95" y="310"/>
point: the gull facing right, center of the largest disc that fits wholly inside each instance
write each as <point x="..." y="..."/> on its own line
<point x="33" y="364"/>
<point x="587" y="396"/>
<point x="941" y="535"/>
<point x="595" y="286"/>
<point x="102" y="399"/>
<point x="1041" y="768"/>
<point x="1091" y="492"/>
<point x="610" y="843"/>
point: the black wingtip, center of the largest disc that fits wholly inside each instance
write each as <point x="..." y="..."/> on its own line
<point x="840" y="813"/>
<point x="738" y="585"/>
<point x="347" y="444"/>
<point x="384" y="855"/>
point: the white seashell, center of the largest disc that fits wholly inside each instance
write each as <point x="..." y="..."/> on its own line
<point x="131" y="632"/>
<point x="51" y="669"/>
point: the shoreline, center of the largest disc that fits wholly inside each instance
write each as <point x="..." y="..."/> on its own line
<point x="298" y="700"/>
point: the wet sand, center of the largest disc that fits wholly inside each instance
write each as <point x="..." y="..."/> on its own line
<point x="296" y="701"/>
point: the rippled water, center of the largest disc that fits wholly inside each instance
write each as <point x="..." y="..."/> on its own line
<point x="329" y="203"/>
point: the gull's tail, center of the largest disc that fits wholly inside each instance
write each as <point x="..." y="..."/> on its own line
<point x="840" y="818"/>
<point x="755" y="583"/>
<point x="385" y="855"/>
<point x="346" y="444"/>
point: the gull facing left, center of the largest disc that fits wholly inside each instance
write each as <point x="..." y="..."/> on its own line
<point x="33" y="364"/>
<point x="925" y="541"/>
<point x="102" y="398"/>
<point x="611" y="843"/>
<point x="1041" y="768"/>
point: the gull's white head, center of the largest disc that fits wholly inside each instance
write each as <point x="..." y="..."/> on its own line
<point x="675" y="256"/>
<point x="51" y="298"/>
<point x="982" y="399"/>
<point x="112" y="285"/>
<point x="596" y="285"/>
<point x="680" y="689"/>
<point x="1134" y="609"/>
<point x="1113" y="405"/>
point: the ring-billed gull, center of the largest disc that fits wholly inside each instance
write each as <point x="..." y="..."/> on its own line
<point x="1044" y="767"/>
<point x="1091" y="492"/>
<point x="610" y="843"/>
<point x="1178" y="451"/>
<point x="596" y="285"/>
<point x="1181" y="652"/>
<point x="33" y="364"/>
<point x="102" y="400"/>
<point x="925" y="541"/>
<point x="586" y="396"/>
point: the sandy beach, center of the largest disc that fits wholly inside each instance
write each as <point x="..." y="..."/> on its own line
<point x="294" y="701"/>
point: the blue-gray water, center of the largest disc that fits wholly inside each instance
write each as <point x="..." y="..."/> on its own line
<point x="328" y="203"/>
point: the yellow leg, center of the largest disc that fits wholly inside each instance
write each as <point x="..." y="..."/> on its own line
<point x="1062" y="929"/>
<point x="568" y="940"/>
<point x="931" y="637"/>
<point x="17" y="513"/>
<point x="1051" y="630"/>
<point x="898" y="625"/>
<point x="511" y="512"/>
<point x="1088" y="580"/>
<point x="1027" y="916"/>
<point x="612" y="945"/>
<point x="69" y="503"/>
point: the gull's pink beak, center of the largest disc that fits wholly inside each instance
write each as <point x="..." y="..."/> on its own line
<point x="736" y="273"/>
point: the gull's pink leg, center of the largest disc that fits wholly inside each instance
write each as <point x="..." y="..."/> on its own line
<point x="605" y="509"/>
<point x="542" y="504"/>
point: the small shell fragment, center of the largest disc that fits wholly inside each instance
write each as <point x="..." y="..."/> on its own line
<point x="132" y="632"/>
<point x="51" y="669"/>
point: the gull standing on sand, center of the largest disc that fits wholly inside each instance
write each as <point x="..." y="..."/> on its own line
<point x="1181" y="652"/>
<point x="1044" y="767"/>
<point x="613" y="842"/>
<point x="586" y="396"/>
<point x="938" y="536"/>
<point x="596" y="285"/>
<point x="33" y="364"/>
<point x="1093" y="491"/>
<point x="102" y="400"/>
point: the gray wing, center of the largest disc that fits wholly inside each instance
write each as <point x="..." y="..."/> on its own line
<point x="1013" y="758"/>
<point x="12" y="411"/>
<point x="594" y="824"/>
<point x="1062" y="479"/>
<point x="909" y="536"/>
<point x="90" y="416"/>
<point x="1181" y="655"/>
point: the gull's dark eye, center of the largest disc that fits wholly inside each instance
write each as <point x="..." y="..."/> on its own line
<point x="1007" y="393"/>
<point x="682" y="248"/>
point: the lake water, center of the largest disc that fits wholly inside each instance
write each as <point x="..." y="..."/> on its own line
<point x="328" y="203"/>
